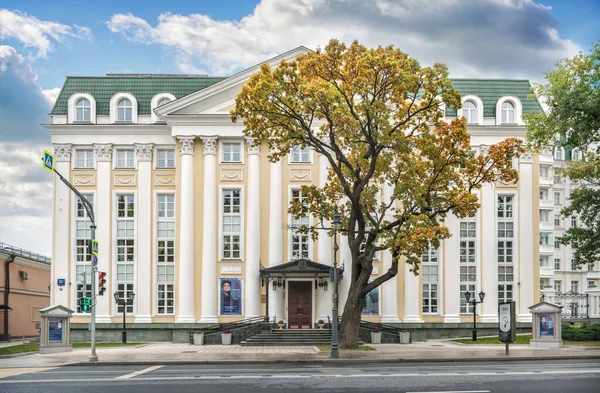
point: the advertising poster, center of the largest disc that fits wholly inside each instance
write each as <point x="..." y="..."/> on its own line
<point x="230" y="298"/>
<point x="546" y="325"/>
<point x="371" y="303"/>
<point x="55" y="330"/>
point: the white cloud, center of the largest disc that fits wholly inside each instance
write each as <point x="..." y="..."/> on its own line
<point x="51" y="95"/>
<point x="476" y="38"/>
<point x="10" y="59"/>
<point x="35" y="33"/>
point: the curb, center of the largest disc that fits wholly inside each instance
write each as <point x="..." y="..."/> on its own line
<point x="17" y="355"/>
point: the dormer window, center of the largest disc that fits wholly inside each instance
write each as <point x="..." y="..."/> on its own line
<point x="83" y="110"/>
<point x="576" y="155"/>
<point x="470" y="111"/>
<point x="508" y="113"/>
<point x="125" y="110"/>
<point x="559" y="153"/>
<point x="163" y="101"/>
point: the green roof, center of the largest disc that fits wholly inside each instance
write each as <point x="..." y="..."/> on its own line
<point x="143" y="88"/>
<point x="490" y="90"/>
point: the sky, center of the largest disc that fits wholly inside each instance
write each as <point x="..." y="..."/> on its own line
<point x="43" y="41"/>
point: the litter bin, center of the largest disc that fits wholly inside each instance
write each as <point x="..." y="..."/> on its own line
<point x="404" y="337"/>
<point x="199" y="338"/>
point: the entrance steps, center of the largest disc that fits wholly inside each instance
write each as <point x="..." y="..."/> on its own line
<point x="290" y="337"/>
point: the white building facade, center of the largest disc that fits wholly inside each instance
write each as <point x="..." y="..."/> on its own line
<point x="188" y="211"/>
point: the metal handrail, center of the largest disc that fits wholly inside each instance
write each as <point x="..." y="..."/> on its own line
<point x="237" y="325"/>
<point x="382" y="327"/>
<point x="24" y="253"/>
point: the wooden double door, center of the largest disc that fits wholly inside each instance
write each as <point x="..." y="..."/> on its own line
<point x="300" y="305"/>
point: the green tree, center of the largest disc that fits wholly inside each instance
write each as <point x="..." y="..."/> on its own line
<point x="376" y="115"/>
<point x="572" y="92"/>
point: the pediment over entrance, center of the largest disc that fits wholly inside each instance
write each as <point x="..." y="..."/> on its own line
<point x="299" y="268"/>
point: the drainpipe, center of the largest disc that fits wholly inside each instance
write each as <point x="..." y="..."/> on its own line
<point x="6" y="335"/>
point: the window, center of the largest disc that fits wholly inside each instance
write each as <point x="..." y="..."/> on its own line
<point x="467" y="241"/>
<point x="232" y="152"/>
<point x="575" y="155"/>
<point x="544" y="283"/>
<point x="592" y="284"/>
<point x="505" y="251"/>
<point x="468" y="282"/>
<point x="575" y="286"/>
<point x="508" y="112"/>
<point x="543" y="195"/>
<point x="232" y="224"/>
<point x="505" y="292"/>
<point x="83" y="259"/>
<point x="559" y="153"/>
<point x="557" y="264"/>
<point x="556" y="244"/>
<point x="166" y="159"/>
<point x="163" y="101"/>
<point x="590" y="267"/>
<point x="557" y="198"/>
<point x="125" y="159"/>
<point x="165" y="270"/>
<point x="544" y="216"/>
<point x="83" y="110"/>
<point x="505" y="206"/>
<point x="84" y="158"/>
<point x="558" y="285"/>
<point x="543" y="261"/>
<point x="301" y="154"/>
<point x="545" y="238"/>
<point x="300" y="241"/>
<point x="573" y="222"/>
<point x="574" y="266"/>
<point x="429" y="261"/>
<point x="125" y="248"/>
<point x="557" y="220"/>
<point x="124" y="110"/>
<point x="470" y="111"/>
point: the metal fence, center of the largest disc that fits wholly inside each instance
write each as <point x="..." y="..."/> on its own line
<point x="8" y="249"/>
<point x="575" y="305"/>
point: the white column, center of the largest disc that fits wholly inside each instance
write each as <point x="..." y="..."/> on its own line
<point x="62" y="232"/>
<point x="389" y="300"/>
<point x="186" y="233"/>
<point x="275" y="237"/>
<point x="451" y="300"/>
<point x="209" y="233"/>
<point x="526" y="286"/>
<point x="102" y="211"/>
<point x="324" y="251"/>
<point x="489" y="262"/>
<point x="144" y="258"/>
<point x="411" y="296"/>
<point x="252" y="307"/>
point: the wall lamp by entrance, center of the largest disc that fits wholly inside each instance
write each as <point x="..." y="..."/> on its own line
<point x="321" y="283"/>
<point x="278" y="283"/>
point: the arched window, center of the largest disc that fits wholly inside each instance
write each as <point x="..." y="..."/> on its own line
<point x="508" y="112"/>
<point x="83" y="110"/>
<point x="124" y="110"/>
<point x="470" y="111"/>
<point x="559" y="153"/>
<point x="163" y="101"/>
<point x="575" y="155"/>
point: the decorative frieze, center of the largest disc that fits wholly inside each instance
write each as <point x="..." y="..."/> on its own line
<point x="125" y="180"/>
<point x="483" y="149"/>
<point x="63" y="152"/>
<point x="143" y="152"/>
<point x="300" y="175"/>
<point x="231" y="175"/>
<point x="164" y="180"/>
<point x="103" y="151"/>
<point x="526" y="158"/>
<point x="186" y="144"/>
<point x="231" y="269"/>
<point x="84" y="180"/>
<point x="209" y="145"/>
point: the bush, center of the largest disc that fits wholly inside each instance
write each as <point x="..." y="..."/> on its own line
<point x="583" y="332"/>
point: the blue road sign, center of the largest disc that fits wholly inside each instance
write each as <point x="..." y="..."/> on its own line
<point x="95" y="260"/>
<point x="48" y="161"/>
<point x="94" y="246"/>
<point x="60" y="282"/>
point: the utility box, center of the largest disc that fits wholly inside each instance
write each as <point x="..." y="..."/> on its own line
<point x="547" y="325"/>
<point x="54" y="336"/>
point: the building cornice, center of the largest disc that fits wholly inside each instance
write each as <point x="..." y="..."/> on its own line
<point x="107" y="129"/>
<point x="25" y="262"/>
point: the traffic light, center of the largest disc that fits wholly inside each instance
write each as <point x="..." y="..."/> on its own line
<point x="85" y="303"/>
<point x="101" y="282"/>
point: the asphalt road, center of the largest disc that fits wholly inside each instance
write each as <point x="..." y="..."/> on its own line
<point x="581" y="376"/>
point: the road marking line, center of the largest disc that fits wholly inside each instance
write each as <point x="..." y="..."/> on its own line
<point x="458" y="391"/>
<point x="140" y="372"/>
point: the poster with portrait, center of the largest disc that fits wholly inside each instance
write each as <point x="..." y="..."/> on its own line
<point x="230" y="296"/>
<point x="546" y="325"/>
<point x="371" y="303"/>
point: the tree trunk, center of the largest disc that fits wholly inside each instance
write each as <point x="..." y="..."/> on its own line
<point x="350" y="325"/>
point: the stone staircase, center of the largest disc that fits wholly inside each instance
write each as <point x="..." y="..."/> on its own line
<point x="289" y="337"/>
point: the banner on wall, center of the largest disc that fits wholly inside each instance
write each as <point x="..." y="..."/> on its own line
<point x="230" y="298"/>
<point x="371" y="303"/>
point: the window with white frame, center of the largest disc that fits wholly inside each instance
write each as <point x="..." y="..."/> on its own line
<point x="468" y="268"/>
<point x="573" y="222"/>
<point x="575" y="286"/>
<point x="84" y="158"/>
<point x="470" y="111"/>
<point x="125" y="159"/>
<point x="163" y="101"/>
<point x="544" y="216"/>
<point x="468" y="232"/>
<point x="559" y="153"/>
<point x="468" y="282"/>
<point x="83" y="110"/>
<point x="124" y="110"/>
<point x="165" y="263"/>
<point x="166" y="159"/>
<point x="576" y="155"/>
<point x="125" y="248"/>
<point x="544" y="283"/>
<point x="556" y="244"/>
<point x="543" y="261"/>
<point x="543" y="195"/>
<point x="557" y="220"/>
<point x="558" y="285"/>
<point x="232" y="152"/>
<point x="545" y="171"/>
<point x="232" y="224"/>
<point x="300" y="241"/>
<point x="505" y="283"/>
<point x="505" y="249"/>
<point x="300" y="154"/>
<point x="505" y="206"/>
<point x="556" y="263"/>
<point x="545" y="238"/>
<point x="430" y="266"/>
<point x="574" y="266"/>
<point x="508" y="112"/>
<point x="83" y="258"/>
<point x="557" y="198"/>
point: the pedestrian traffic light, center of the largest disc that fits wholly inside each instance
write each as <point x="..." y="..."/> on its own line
<point x="85" y="303"/>
<point x="101" y="283"/>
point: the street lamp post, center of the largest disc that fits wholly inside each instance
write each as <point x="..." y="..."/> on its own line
<point x="335" y="354"/>
<point x="474" y="302"/>
<point x="121" y="301"/>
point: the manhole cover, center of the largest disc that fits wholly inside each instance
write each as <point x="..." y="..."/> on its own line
<point x="190" y="352"/>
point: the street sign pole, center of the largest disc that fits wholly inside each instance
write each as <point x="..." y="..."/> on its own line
<point x="93" y="356"/>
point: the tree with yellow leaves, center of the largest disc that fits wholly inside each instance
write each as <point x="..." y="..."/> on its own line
<point x="377" y="116"/>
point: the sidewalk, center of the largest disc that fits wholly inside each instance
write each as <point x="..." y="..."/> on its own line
<point x="168" y="353"/>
